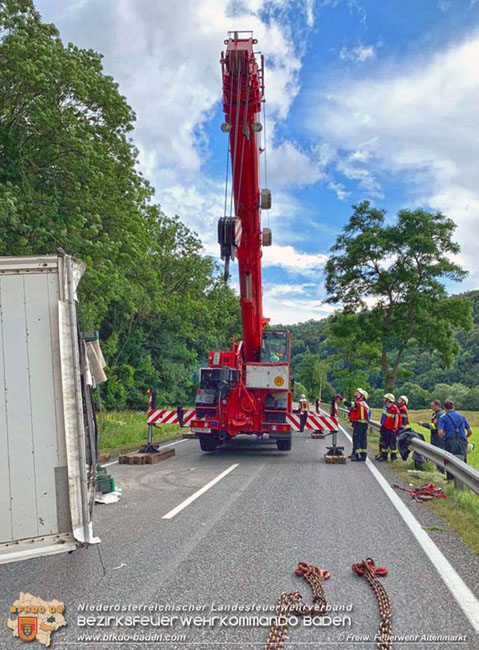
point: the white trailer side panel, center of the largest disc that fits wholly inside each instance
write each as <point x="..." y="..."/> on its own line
<point x="35" y="513"/>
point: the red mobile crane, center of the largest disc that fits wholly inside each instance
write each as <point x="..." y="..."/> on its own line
<point x="247" y="389"/>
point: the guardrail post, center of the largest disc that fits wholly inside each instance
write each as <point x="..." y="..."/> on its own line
<point x="458" y="484"/>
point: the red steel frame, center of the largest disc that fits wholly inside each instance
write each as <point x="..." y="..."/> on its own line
<point x="242" y="96"/>
<point x="243" y="411"/>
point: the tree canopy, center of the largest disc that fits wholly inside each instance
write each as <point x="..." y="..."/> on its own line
<point x="399" y="269"/>
<point x="69" y="179"/>
<point x="422" y="376"/>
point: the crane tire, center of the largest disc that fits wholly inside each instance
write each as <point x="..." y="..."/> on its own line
<point x="283" y="444"/>
<point x="207" y="443"/>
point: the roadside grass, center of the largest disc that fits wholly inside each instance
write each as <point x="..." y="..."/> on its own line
<point x="461" y="508"/>
<point x="126" y="430"/>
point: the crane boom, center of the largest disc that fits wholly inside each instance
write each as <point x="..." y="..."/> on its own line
<point x="246" y="390"/>
<point x="242" y="97"/>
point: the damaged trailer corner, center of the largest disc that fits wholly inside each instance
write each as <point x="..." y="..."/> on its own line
<point x="47" y="433"/>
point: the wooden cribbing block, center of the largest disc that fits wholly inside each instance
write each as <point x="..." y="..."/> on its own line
<point x="189" y="434"/>
<point x="338" y="460"/>
<point x="146" y="459"/>
<point x="150" y="459"/>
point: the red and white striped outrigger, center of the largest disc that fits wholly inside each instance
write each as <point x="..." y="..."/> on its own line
<point x="155" y="417"/>
<point x="166" y="416"/>
<point x="315" y="422"/>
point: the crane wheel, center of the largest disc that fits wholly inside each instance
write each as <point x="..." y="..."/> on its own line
<point x="283" y="444"/>
<point x="207" y="443"/>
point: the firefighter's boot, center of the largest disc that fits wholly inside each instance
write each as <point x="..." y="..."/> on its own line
<point x="393" y="456"/>
<point x="383" y="457"/>
<point x="364" y="456"/>
<point x="355" y="458"/>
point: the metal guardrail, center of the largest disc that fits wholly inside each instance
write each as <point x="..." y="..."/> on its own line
<point x="463" y="473"/>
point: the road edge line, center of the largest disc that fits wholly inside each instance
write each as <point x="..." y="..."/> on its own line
<point x="464" y="597"/>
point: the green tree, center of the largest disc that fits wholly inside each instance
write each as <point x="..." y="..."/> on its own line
<point x="299" y="390"/>
<point x="67" y="166"/>
<point x="400" y="268"/>
<point x="69" y="179"/>
<point x="354" y="353"/>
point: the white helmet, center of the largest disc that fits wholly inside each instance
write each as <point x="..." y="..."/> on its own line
<point x="303" y="396"/>
<point x="362" y="392"/>
<point x="404" y="399"/>
<point x="390" y="397"/>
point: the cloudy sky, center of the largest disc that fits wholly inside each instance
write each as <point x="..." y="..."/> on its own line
<point x="366" y="99"/>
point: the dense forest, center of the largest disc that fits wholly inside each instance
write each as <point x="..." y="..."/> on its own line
<point x="69" y="180"/>
<point x="316" y="362"/>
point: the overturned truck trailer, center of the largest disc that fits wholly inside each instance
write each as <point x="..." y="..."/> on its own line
<point x="47" y="421"/>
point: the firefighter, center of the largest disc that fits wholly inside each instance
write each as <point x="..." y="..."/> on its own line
<point x="403" y="404"/>
<point x="437" y="413"/>
<point x="390" y="420"/>
<point x="359" y="416"/>
<point x="454" y="429"/>
<point x="334" y="410"/>
<point x="433" y="426"/>
<point x="304" y="410"/>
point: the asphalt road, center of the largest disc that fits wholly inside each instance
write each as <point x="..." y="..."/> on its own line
<point x="239" y="543"/>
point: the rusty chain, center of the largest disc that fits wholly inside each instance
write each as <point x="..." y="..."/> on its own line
<point x="371" y="572"/>
<point x="292" y="604"/>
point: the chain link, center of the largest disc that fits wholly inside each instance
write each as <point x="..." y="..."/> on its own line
<point x="368" y="569"/>
<point x="292" y="604"/>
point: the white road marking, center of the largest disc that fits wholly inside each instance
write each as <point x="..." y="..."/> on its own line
<point x="453" y="581"/>
<point x="197" y="494"/>
<point x="170" y="444"/>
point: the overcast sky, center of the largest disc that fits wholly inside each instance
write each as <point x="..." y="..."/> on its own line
<point x="365" y="100"/>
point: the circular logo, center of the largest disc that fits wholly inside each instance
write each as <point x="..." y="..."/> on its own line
<point x="279" y="381"/>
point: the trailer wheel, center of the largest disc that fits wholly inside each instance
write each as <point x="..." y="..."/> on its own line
<point x="284" y="444"/>
<point x="207" y="443"/>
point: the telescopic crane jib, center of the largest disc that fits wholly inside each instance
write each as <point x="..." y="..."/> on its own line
<point x="246" y="390"/>
<point x="241" y="235"/>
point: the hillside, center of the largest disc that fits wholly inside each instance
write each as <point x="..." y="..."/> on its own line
<point x="421" y="376"/>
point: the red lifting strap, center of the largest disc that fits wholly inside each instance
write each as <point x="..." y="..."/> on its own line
<point x="368" y="565"/>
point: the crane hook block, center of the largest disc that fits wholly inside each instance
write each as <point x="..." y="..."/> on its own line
<point x="265" y="199"/>
<point x="267" y="237"/>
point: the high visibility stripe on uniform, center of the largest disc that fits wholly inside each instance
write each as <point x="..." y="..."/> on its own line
<point x="360" y="407"/>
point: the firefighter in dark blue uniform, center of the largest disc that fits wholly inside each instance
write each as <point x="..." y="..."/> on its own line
<point x="455" y="430"/>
